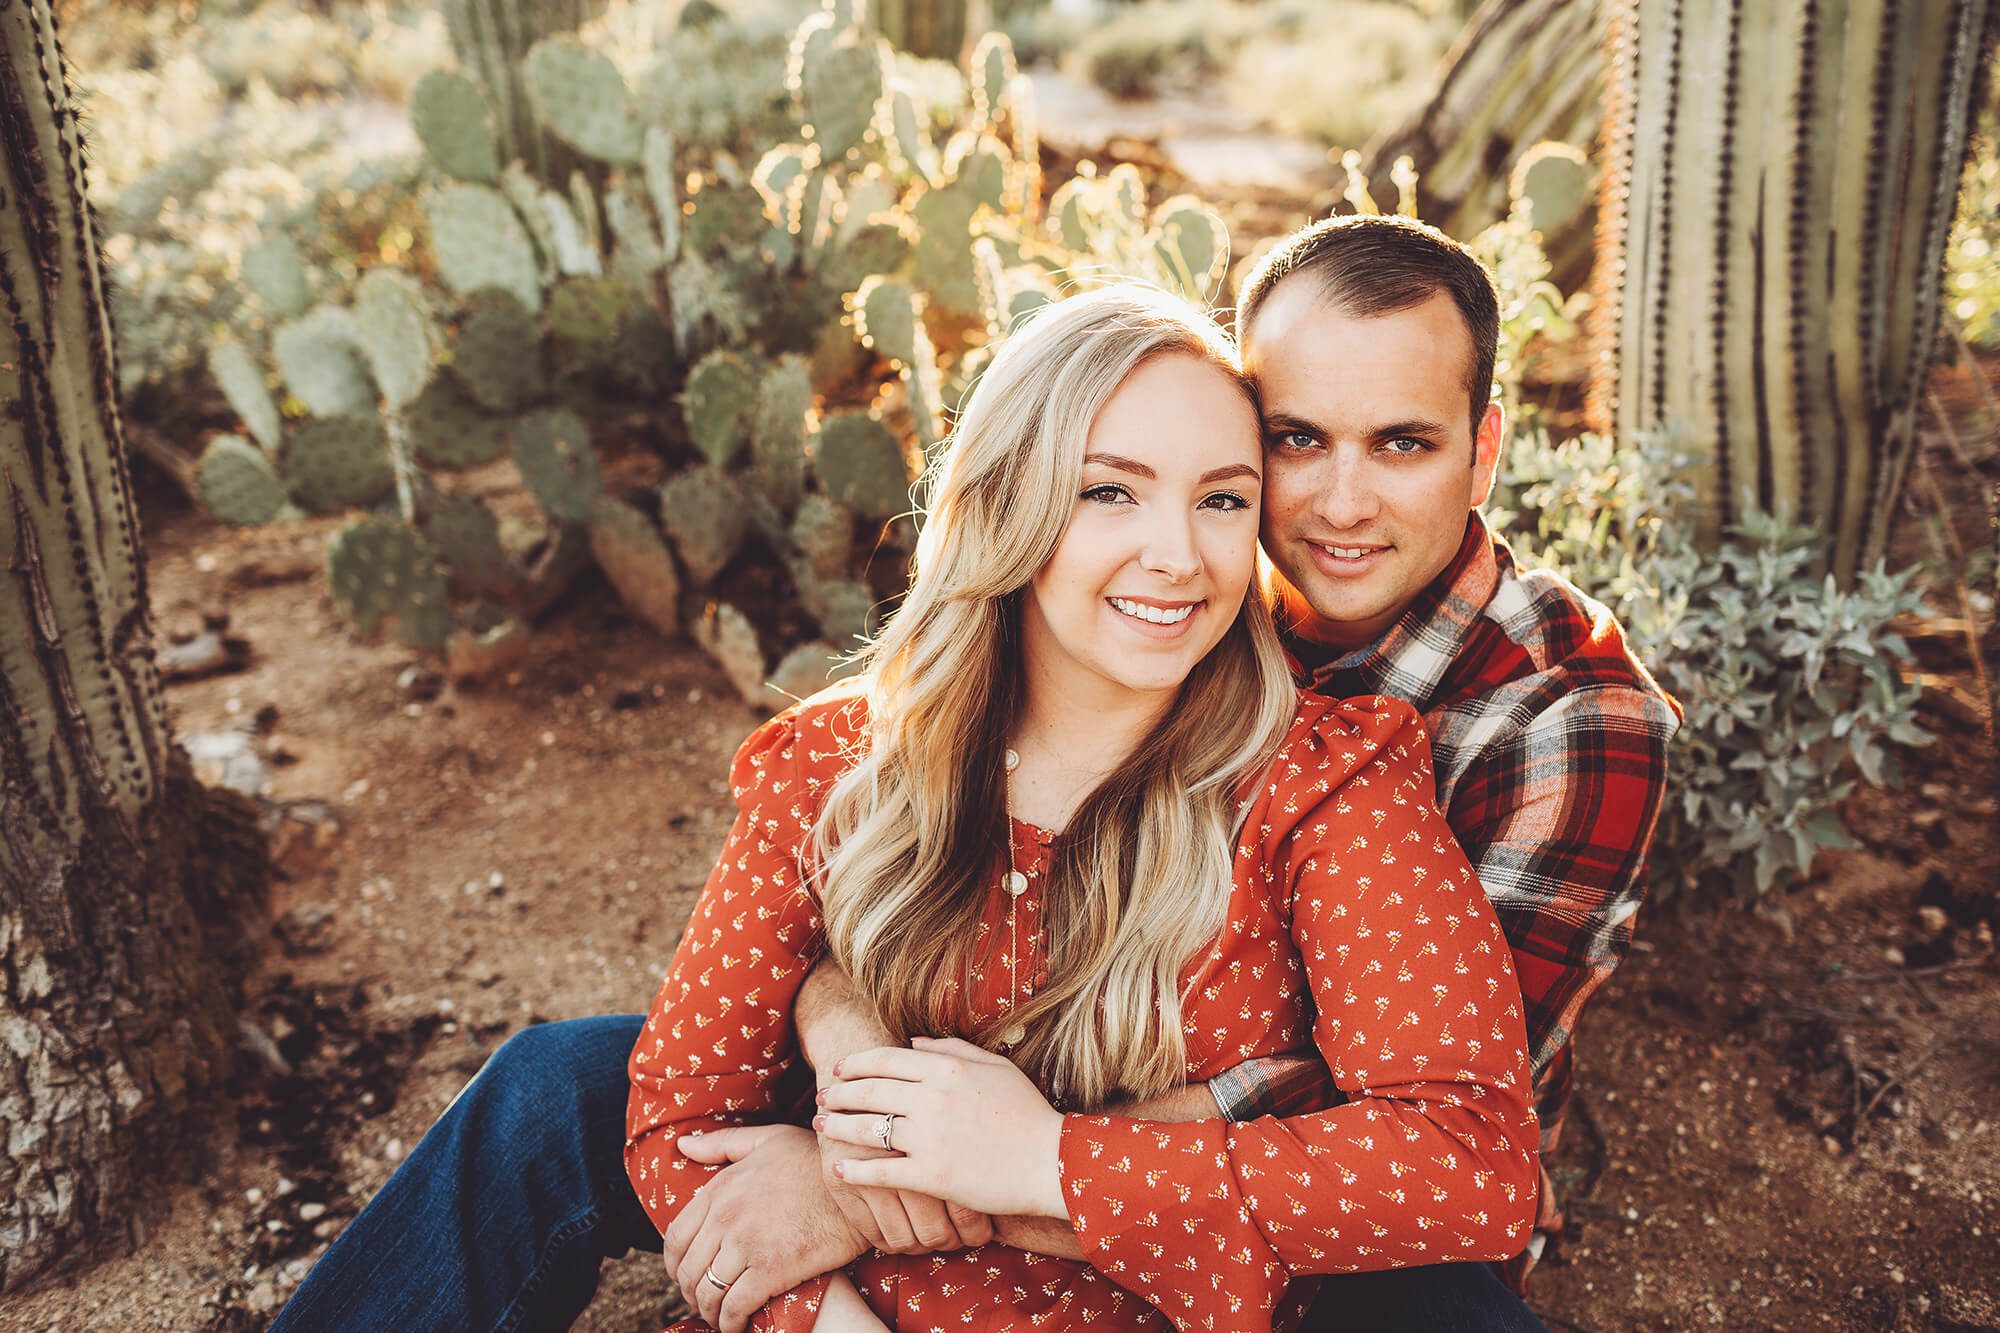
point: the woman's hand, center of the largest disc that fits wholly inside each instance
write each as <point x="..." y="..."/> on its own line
<point x="762" y="1225"/>
<point x="969" y="1127"/>
<point x="898" y="1221"/>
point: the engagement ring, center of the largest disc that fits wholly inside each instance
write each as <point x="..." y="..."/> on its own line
<point x="882" y="1134"/>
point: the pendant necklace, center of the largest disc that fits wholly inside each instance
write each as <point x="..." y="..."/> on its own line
<point x="1016" y="884"/>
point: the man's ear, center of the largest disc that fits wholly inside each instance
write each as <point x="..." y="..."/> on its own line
<point x="1486" y="452"/>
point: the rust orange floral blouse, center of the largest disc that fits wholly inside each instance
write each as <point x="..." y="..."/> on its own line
<point x="1354" y="919"/>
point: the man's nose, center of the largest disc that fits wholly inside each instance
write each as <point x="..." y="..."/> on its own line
<point x="1170" y="550"/>
<point x="1347" y="497"/>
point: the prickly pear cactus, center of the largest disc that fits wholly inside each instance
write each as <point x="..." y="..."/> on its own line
<point x="552" y="450"/>
<point x="320" y="360"/>
<point x="862" y="465"/>
<point x="726" y="635"/>
<point x="378" y="569"/>
<point x="242" y="381"/>
<point x="276" y="276"/>
<point x="804" y="672"/>
<point x="581" y="97"/>
<point x="719" y="405"/>
<point x="449" y="431"/>
<point x="1557" y="184"/>
<point x="628" y="549"/>
<point x="335" y="463"/>
<point x="237" y="482"/>
<point x="480" y="242"/>
<point x="465" y="536"/>
<point x="454" y="123"/>
<point x="705" y="514"/>
<point x="498" y="357"/>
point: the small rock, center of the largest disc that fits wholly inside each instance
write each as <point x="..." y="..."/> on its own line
<point x="420" y="683"/>
<point x="305" y="929"/>
<point x="311" y="1212"/>
<point x="1932" y="920"/>
<point x="227" y="759"/>
<point x="263" y="1298"/>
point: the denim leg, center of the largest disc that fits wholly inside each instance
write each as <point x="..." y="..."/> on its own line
<point x="502" y="1215"/>
<point x="1437" y="1298"/>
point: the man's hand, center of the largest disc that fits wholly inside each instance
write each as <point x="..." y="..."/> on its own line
<point x="731" y="1229"/>
<point x="834" y="1021"/>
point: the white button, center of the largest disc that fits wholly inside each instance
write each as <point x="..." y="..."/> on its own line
<point x="1012" y="1036"/>
<point x="1017" y="883"/>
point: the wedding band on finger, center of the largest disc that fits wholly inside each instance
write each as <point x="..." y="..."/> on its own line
<point x="882" y="1131"/>
<point x="714" y="1281"/>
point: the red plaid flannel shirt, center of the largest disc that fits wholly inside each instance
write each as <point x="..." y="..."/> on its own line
<point x="1550" y="743"/>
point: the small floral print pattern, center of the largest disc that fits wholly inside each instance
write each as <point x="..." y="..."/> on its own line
<point x="1354" y="921"/>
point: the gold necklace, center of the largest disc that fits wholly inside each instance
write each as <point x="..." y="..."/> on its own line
<point x="1016" y="884"/>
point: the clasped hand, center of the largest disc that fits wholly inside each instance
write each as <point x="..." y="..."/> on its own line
<point x="969" y="1127"/>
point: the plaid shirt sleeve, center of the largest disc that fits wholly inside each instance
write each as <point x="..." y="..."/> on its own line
<point x="1558" y="819"/>
<point x="1276" y="1085"/>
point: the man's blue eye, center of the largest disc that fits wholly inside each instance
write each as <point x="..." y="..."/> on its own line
<point x="1296" y="439"/>
<point x="1415" y="446"/>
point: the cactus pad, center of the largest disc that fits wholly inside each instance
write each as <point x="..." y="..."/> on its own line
<point x="993" y="71"/>
<point x="321" y="363"/>
<point x="394" y="333"/>
<point x="727" y="219"/>
<point x="455" y="125"/>
<point x="656" y="164"/>
<point x="480" y="242"/>
<point x="704" y="512"/>
<point x="581" y="97"/>
<point x="586" y="315"/>
<point x="1192" y="245"/>
<point x="979" y="164"/>
<point x="1557" y="182"/>
<point x="275" y="274"/>
<point x="552" y="449"/>
<point x="886" y="318"/>
<point x="878" y="247"/>
<point x="379" y="569"/>
<point x="726" y="635"/>
<point x="840" y="607"/>
<point x="237" y="482"/>
<point x="840" y="83"/>
<point x="333" y="463"/>
<point x="804" y="672"/>
<point x="778" y="431"/>
<point x="466" y="537"/>
<point x="721" y="395"/>
<point x="862" y="465"/>
<point x="499" y="352"/>
<point x="824" y="533"/>
<point x="448" y="430"/>
<point x="635" y="561"/>
<point x="242" y="381"/>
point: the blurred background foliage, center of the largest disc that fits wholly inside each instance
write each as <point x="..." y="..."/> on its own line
<point x="761" y="205"/>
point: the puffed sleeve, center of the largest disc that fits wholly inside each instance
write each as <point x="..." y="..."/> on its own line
<point x="1417" y="1016"/>
<point x="720" y="1035"/>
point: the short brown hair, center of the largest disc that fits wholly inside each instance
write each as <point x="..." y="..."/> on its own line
<point x="1377" y="264"/>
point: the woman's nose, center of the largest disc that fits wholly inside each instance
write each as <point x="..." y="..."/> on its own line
<point x="1170" y="552"/>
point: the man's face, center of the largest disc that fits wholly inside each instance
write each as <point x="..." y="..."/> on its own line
<point x="1370" y="461"/>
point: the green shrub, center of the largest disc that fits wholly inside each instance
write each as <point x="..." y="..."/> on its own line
<point x="1790" y="683"/>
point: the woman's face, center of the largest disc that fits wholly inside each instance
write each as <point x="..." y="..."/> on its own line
<point x="1162" y="539"/>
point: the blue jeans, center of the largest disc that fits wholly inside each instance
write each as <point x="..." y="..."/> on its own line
<point x="503" y="1214"/>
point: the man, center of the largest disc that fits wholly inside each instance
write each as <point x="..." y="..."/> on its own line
<point x="1372" y="341"/>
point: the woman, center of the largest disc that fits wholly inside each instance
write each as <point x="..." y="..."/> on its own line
<point x="1075" y="818"/>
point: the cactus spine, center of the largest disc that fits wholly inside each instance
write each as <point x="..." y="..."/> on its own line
<point x="112" y="859"/>
<point x="1783" y="313"/>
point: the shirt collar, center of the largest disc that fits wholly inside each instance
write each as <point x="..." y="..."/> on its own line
<point x="1440" y="618"/>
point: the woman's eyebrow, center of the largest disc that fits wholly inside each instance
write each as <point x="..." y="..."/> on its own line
<point x="1119" y="463"/>
<point x="1233" y="470"/>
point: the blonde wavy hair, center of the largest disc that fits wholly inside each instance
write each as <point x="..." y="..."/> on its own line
<point x="912" y="838"/>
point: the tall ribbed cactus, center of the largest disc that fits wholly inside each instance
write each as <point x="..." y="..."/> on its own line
<point x="111" y="858"/>
<point x="1781" y="179"/>
<point x="934" y="29"/>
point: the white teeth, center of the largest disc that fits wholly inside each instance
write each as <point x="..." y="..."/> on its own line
<point x="1348" y="552"/>
<point x="1152" y="614"/>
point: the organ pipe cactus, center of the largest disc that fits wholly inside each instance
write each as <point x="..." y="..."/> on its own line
<point x="121" y="879"/>
<point x="1782" y="179"/>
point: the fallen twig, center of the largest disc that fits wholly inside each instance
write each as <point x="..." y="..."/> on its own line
<point x="1893" y="1080"/>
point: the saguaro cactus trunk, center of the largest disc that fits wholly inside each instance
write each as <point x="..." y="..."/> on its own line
<point x="1781" y="178"/>
<point x="114" y="1021"/>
